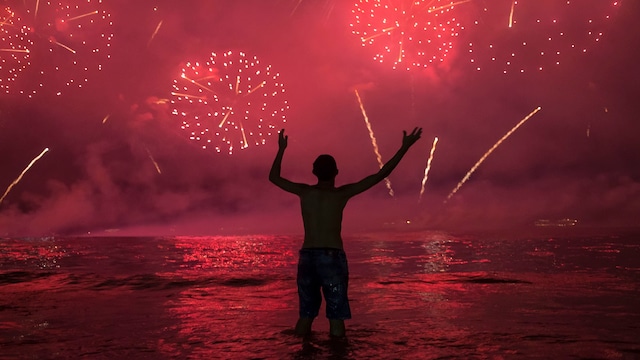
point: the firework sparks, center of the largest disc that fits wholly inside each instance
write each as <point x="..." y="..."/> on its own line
<point x="155" y="164"/>
<point x="466" y="177"/>
<point x="535" y="35"/>
<point x="228" y="101"/>
<point x="428" y="167"/>
<point x="16" y="50"/>
<point x="407" y="34"/>
<point x="16" y="181"/>
<point x="67" y="43"/>
<point x="446" y="6"/>
<point x="155" y="32"/>
<point x="513" y="7"/>
<point x="374" y="143"/>
<point x="15" y="56"/>
<point x="63" y="46"/>
<point x="81" y="16"/>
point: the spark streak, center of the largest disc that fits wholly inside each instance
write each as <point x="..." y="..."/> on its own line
<point x="513" y="6"/>
<point x="16" y="50"/>
<point x="153" y="161"/>
<point x="448" y="6"/>
<point x="224" y="119"/>
<point x="466" y="177"/>
<point x="63" y="46"/>
<point x="196" y="83"/>
<point x="257" y="87"/>
<point x="155" y="32"/>
<point x="244" y="137"/>
<point x="426" y="170"/>
<point x="16" y="181"/>
<point x="373" y="141"/>
<point x="83" y="15"/>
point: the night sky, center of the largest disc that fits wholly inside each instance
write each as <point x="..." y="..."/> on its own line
<point x="118" y="158"/>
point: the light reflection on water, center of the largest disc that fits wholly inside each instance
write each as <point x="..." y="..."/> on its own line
<point x="413" y="295"/>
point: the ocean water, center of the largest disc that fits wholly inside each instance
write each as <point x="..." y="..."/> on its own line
<point x="414" y="295"/>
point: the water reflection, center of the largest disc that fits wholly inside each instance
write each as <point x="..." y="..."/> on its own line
<point x="414" y="295"/>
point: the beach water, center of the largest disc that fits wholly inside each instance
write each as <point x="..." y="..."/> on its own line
<point x="414" y="295"/>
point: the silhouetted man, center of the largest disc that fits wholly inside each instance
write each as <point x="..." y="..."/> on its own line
<point x="323" y="263"/>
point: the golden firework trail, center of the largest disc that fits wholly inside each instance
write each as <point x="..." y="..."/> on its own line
<point x="426" y="170"/>
<point x="295" y="8"/>
<point x="196" y="83"/>
<point x="63" y="46"/>
<point x="224" y="119"/>
<point x="244" y="137"/>
<point x="373" y="141"/>
<point x="83" y="15"/>
<point x="466" y="177"/>
<point x="263" y="83"/>
<point x="16" y="181"/>
<point x="450" y="5"/>
<point x="104" y="120"/>
<point x="16" y="50"/>
<point x="155" y="32"/>
<point x="153" y="161"/>
<point x="5" y="21"/>
<point x="513" y="6"/>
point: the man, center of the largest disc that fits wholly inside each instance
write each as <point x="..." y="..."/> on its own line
<point x="323" y="263"/>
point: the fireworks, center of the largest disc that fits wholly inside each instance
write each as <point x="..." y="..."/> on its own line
<point x="155" y="164"/>
<point x="228" y="101"/>
<point x="63" y="42"/>
<point x="374" y="143"/>
<point x="521" y="36"/>
<point x="14" y="49"/>
<point x="428" y="167"/>
<point x="155" y="32"/>
<point x="466" y="177"/>
<point x="407" y="33"/>
<point x="16" y="181"/>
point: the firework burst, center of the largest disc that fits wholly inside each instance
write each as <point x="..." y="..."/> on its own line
<point x="15" y="55"/>
<point x="521" y="36"/>
<point x="407" y="33"/>
<point x="66" y="43"/>
<point x="228" y="101"/>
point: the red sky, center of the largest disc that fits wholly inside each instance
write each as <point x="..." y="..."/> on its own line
<point x="576" y="158"/>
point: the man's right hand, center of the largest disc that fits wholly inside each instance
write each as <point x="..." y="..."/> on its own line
<point x="282" y="140"/>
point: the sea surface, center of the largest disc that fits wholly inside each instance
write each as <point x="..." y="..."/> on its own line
<point x="557" y="294"/>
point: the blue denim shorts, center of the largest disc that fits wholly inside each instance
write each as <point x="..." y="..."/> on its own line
<point x="326" y="269"/>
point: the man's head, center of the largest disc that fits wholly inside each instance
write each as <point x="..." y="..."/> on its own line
<point x="325" y="168"/>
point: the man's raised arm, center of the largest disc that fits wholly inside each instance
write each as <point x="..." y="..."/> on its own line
<point x="387" y="168"/>
<point x="276" y="168"/>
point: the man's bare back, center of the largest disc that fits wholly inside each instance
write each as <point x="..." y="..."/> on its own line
<point x="322" y="208"/>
